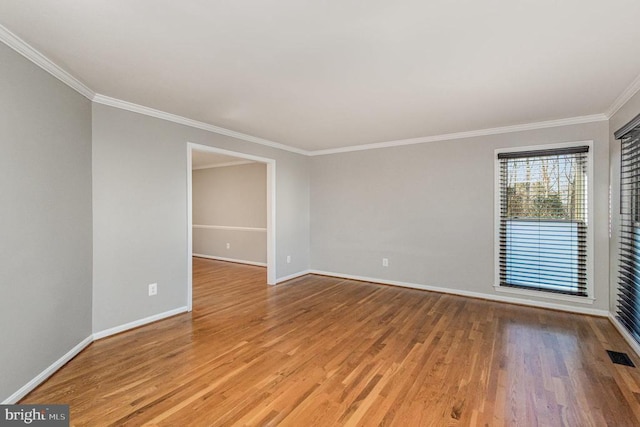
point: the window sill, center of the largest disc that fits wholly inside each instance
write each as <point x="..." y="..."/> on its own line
<point x="543" y="294"/>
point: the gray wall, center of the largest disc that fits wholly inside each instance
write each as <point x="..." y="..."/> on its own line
<point x="429" y="208"/>
<point x="45" y="220"/>
<point x="233" y="196"/>
<point x="621" y="118"/>
<point x="140" y="212"/>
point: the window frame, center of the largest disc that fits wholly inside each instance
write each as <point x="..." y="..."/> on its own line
<point x="541" y="293"/>
<point x="625" y="294"/>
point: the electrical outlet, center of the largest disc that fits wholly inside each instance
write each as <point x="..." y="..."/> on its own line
<point x="153" y="289"/>
<point x="385" y="262"/>
<point x="288" y="259"/>
<point x="228" y="245"/>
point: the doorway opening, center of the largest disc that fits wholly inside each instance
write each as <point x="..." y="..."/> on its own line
<point x="226" y="158"/>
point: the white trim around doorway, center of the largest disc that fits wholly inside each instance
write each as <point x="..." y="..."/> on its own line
<point x="271" y="212"/>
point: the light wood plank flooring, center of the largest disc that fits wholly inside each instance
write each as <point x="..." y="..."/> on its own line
<point x="326" y="351"/>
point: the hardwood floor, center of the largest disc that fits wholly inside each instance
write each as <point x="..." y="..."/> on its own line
<point x="326" y="351"/>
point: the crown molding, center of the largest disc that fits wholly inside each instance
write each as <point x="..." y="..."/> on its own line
<point x="223" y="165"/>
<point x="469" y="134"/>
<point x="147" y="111"/>
<point x="24" y="49"/>
<point x="625" y="96"/>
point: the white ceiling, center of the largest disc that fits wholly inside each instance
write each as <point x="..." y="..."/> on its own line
<point x="327" y="74"/>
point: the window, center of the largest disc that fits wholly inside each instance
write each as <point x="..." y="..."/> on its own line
<point x="628" y="301"/>
<point x="543" y="220"/>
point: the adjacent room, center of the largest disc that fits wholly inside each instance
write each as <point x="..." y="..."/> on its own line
<point x="229" y="208"/>
<point x="321" y="213"/>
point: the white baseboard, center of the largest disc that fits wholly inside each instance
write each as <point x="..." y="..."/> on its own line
<point x="237" y="261"/>
<point x="293" y="276"/>
<point x="491" y="297"/>
<point x="42" y="376"/>
<point x="136" y="323"/>
<point x="625" y="334"/>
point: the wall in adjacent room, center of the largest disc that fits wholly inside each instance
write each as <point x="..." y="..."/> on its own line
<point x="230" y="209"/>
<point x="140" y="212"/>
<point x="45" y="220"/>
<point x="429" y="209"/>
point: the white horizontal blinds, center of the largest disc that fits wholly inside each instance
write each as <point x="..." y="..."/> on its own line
<point x="543" y="220"/>
<point x="628" y="304"/>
